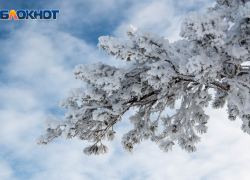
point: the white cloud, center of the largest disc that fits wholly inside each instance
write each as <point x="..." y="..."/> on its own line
<point x="5" y="170"/>
<point x="163" y="17"/>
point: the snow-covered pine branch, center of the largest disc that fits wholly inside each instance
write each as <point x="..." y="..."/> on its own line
<point x="213" y="53"/>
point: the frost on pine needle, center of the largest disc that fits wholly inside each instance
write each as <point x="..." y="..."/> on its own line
<point x="213" y="54"/>
<point x="110" y="135"/>
<point x="96" y="150"/>
<point x="166" y="145"/>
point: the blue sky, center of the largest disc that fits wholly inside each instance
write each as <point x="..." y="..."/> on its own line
<point x="37" y="60"/>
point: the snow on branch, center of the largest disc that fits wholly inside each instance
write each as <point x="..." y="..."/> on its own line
<point x="212" y="54"/>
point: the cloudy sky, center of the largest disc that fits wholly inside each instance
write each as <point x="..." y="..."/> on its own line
<point x="37" y="60"/>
